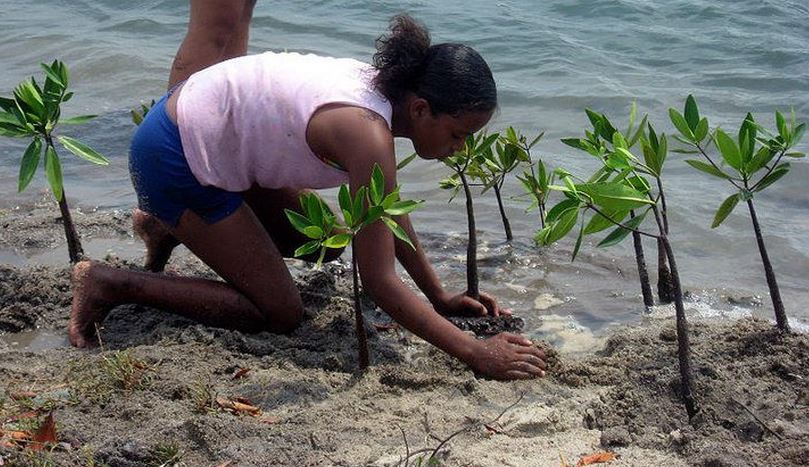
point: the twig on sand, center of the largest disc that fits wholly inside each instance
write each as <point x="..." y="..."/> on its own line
<point x="442" y="442"/>
<point x="760" y="421"/>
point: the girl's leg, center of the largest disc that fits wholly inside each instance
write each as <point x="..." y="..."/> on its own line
<point x="217" y="30"/>
<point x="268" y="206"/>
<point x="259" y="293"/>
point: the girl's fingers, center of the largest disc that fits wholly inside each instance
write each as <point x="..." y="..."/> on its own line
<point x="491" y="304"/>
<point x="517" y="339"/>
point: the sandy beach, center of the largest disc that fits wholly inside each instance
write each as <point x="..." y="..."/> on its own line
<point x="163" y="390"/>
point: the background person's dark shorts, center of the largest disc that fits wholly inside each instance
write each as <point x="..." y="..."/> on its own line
<point x="164" y="183"/>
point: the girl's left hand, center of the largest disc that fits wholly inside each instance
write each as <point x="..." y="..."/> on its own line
<point x="464" y="305"/>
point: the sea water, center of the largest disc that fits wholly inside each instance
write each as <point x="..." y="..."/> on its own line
<point x="551" y="60"/>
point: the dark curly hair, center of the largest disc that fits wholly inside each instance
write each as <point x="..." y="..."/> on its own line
<point x="453" y="78"/>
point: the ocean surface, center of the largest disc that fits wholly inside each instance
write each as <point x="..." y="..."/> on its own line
<point x="551" y="60"/>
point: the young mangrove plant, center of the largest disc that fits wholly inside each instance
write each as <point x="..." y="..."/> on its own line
<point x="611" y="195"/>
<point x="535" y="181"/>
<point x="750" y="163"/>
<point x="599" y="144"/>
<point x="34" y="112"/>
<point x="464" y="163"/>
<point x="138" y="114"/>
<point x="368" y="205"/>
<point x="510" y="150"/>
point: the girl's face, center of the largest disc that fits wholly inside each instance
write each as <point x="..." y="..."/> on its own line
<point x="438" y="136"/>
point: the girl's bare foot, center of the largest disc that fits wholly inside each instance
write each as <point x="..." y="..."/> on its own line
<point x="159" y="241"/>
<point x="90" y="305"/>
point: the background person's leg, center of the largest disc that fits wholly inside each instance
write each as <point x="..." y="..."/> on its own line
<point x="217" y="30"/>
<point x="268" y="205"/>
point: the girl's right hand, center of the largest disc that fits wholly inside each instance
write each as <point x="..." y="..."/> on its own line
<point x="508" y="356"/>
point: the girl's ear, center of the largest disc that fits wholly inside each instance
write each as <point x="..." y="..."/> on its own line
<point x="419" y="107"/>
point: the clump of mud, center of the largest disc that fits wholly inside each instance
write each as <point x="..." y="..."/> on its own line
<point x="752" y="385"/>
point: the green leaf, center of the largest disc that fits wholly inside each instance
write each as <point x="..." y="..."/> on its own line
<point x="556" y="211"/>
<point x="53" y="75"/>
<point x="82" y="150"/>
<point x="536" y="140"/>
<point x="779" y="171"/>
<point x="307" y="248"/>
<point x="7" y="104"/>
<point x="398" y="231"/>
<point x="614" y="195"/>
<point x="729" y="149"/>
<point x="680" y="123"/>
<point x="707" y="168"/>
<point x="313" y="232"/>
<point x="702" y="130"/>
<point x="28" y="94"/>
<point x="13" y="130"/>
<point x="358" y="205"/>
<point x="391" y="198"/>
<point x="576" y="143"/>
<point x="650" y="157"/>
<point x="344" y="199"/>
<point x="29" y="164"/>
<point x="691" y="113"/>
<point x="310" y="203"/>
<point x="796" y="155"/>
<point x="562" y="226"/>
<point x="338" y="241"/>
<point x="762" y="157"/>
<point x="782" y="126"/>
<point x="662" y="150"/>
<point x="376" y="188"/>
<point x="617" y="160"/>
<point x="616" y="236"/>
<point x="578" y="243"/>
<point x="639" y="183"/>
<point x="798" y="134"/>
<point x="406" y="161"/>
<point x="725" y="209"/>
<point x="297" y="220"/>
<point x="402" y="207"/>
<point x="598" y="222"/>
<point x="77" y="120"/>
<point x="61" y="68"/>
<point x="374" y="214"/>
<point x="53" y="170"/>
<point x="638" y="134"/>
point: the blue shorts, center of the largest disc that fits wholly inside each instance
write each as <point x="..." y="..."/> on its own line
<point x="164" y="183"/>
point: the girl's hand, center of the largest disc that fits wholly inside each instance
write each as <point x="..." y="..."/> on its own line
<point x="508" y="356"/>
<point x="464" y="305"/>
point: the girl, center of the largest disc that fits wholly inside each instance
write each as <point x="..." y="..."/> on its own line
<point x="217" y="160"/>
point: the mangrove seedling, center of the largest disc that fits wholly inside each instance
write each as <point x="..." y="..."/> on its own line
<point x="138" y="114"/>
<point x="535" y="181"/>
<point x="466" y="163"/>
<point x="34" y="112"/>
<point x="511" y="149"/>
<point x="368" y="205"/>
<point x="611" y="196"/>
<point x="750" y="163"/>
<point x="599" y="144"/>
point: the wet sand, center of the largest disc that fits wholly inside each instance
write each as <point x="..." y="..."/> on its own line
<point x="149" y="397"/>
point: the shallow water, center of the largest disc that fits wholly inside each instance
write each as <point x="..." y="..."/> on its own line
<point x="551" y="60"/>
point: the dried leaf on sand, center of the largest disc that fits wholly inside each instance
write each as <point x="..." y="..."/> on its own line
<point x="238" y="407"/>
<point x="46" y="434"/>
<point x="597" y="458"/>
